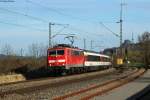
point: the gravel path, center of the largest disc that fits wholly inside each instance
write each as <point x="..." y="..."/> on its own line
<point x="51" y="92"/>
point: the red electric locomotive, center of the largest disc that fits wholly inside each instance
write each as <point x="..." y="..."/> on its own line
<point x="64" y="58"/>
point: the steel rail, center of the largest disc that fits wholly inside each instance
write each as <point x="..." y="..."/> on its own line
<point x="121" y="81"/>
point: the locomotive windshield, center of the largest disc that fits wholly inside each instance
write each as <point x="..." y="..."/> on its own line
<point x="56" y="52"/>
<point x="52" y="53"/>
<point x="60" y="52"/>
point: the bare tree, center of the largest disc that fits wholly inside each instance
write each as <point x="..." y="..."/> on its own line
<point x="42" y="49"/>
<point x="144" y="41"/>
<point x="7" y="49"/>
<point x="38" y="50"/>
<point x="21" y="52"/>
<point x="33" y="50"/>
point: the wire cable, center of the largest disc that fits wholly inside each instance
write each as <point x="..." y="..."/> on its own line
<point x="61" y="13"/>
<point x="24" y="26"/>
<point x="109" y="29"/>
<point x="23" y="14"/>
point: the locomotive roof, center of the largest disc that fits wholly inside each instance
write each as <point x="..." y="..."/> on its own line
<point x="64" y="46"/>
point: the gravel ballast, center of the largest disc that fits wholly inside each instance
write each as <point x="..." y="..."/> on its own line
<point x="49" y="93"/>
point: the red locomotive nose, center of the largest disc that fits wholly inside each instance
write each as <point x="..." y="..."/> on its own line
<point x="57" y="62"/>
<point x="56" y="58"/>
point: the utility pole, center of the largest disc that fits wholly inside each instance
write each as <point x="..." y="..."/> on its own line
<point x="50" y="34"/>
<point x="21" y="52"/>
<point x="121" y="22"/>
<point x="120" y="59"/>
<point x="92" y="44"/>
<point x="84" y="43"/>
<point x="132" y="38"/>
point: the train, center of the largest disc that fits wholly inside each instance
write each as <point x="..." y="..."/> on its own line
<point x="64" y="58"/>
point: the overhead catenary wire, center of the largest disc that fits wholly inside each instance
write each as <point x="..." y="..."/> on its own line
<point x="42" y="20"/>
<point x="81" y="30"/>
<point x="23" y="14"/>
<point x="64" y="14"/>
<point x="109" y="29"/>
<point x="36" y="18"/>
<point x="81" y="34"/>
<point x="59" y="31"/>
<point x="28" y="16"/>
<point x="31" y="17"/>
<point x="61" y="13"/>
<point x="7" y="1"/>
<point x="23" y="26"/>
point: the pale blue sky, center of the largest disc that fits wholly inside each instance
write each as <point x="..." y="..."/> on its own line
<point x="83" y="17"/>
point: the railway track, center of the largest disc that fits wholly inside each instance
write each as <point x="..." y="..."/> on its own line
<point x="52" y="88"/>
<point x="41" y="84"/>
<point x="98" y="89"/>
<point x="37" y="79"/>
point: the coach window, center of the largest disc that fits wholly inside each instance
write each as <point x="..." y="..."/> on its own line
<point x="108" y="60"/>
<point x="93" y="58"/>
<point x="97" y="58"/>
<point x="102" y="59"/>
<point x="72" y="52"/>
<point x="105" y="59"/>
<point x="81" y="53"/>
<point x="75" y="53"/>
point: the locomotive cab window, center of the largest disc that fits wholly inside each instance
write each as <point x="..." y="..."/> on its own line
<point x="60" y="52"/>
<point x="56" y="52"/>
<point x="52" y="53"/>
